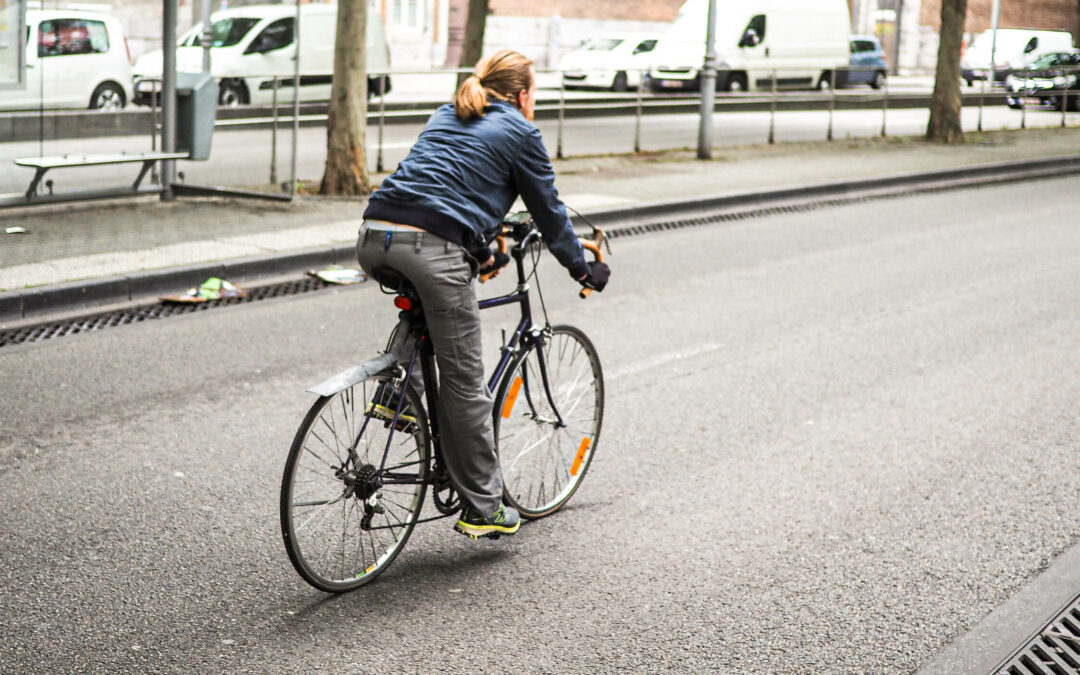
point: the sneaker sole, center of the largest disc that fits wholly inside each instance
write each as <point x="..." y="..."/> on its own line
<point x="490" y="531"/>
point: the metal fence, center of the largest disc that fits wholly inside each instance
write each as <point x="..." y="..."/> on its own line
<point x="247" y="141"/>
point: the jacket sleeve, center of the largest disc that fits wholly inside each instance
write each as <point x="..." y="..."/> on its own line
<point x="534" y="178"/>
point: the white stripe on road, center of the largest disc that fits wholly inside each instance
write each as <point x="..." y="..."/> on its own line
<point x="663" y="360"/>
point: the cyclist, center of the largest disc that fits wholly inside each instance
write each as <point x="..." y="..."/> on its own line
<point x="431" y="221"/>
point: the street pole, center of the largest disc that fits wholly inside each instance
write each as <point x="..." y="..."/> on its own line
<point x="708" y="87"/>
<point x="168" y="97"/>
<point x="207" y="35"/>
<point x="899" y="29"/>
<point x="296" y="103"/>
<point x="995" y="15"/>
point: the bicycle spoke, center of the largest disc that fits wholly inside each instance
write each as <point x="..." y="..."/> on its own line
<point x="543" y="462"/>
<point x="323" y="517"/>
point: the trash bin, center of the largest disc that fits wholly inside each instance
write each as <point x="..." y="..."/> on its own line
<point x="196" y="109"/>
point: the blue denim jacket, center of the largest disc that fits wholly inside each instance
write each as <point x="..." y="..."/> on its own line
<point x="461" y="178"/>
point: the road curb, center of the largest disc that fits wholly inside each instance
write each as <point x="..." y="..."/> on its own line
<point x="38" y="303"/>
<point x="631" y="216"/>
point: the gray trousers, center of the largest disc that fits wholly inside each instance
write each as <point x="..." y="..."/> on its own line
<point x="443" y="274"/>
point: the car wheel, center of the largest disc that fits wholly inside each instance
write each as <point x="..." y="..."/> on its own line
<point x="879" y="80"/>
<point x="108" y="96"/>
<point x="970" y="81"/>
<point x="824" y="82"/>
<point x="1014" y="103"/>
<point x="619" y="83"/>
<point x="232" y="94"/>
<point x="736" y="82"/>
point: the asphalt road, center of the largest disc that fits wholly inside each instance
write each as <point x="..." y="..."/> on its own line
<point x="242" y="158"/>
<point x="833" y="441"/>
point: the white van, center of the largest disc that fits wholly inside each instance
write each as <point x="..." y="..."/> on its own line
<point x="1016" y="49"/>
<point x="802" y="40"/>
<point x="74" y="59"/>
<point x="252" y="44"/>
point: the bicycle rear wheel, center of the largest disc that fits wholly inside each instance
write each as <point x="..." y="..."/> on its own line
<point x="543" y="462"/>
<point x="342" y="519"/>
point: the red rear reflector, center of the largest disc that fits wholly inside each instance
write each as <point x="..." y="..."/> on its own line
<point x="401" y="302"/>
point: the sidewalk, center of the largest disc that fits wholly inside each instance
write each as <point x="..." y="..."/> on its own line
<point x="107" y="239"/>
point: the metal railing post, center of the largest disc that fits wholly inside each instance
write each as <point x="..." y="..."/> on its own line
<point x="273" y="135"/>
<point x="168" y="97"/>
<point x="1023" y="114"/>
<point x="382" y="122"/>
<point x="772" y="111"/>
<point x="832" y="103"/>
<point x="885" y="107"/>
<point x="637" y="121"/>
<point x="982" y="96"/>
<point x="154" y="178"/>
<point x="296" y="105"/>
<point x="562" y="109"/>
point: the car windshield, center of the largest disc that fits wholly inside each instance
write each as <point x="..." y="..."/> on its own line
<point x="225" y="32"/>
<point x="1045" y="61"/>
<point x="605" y="45"/>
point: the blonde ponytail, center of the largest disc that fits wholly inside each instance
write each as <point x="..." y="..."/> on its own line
<point x="500" y="76"/>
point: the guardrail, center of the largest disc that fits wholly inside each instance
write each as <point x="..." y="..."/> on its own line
<point x="554" y="105"/>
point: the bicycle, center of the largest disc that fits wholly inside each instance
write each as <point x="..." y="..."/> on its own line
<point x="362" y="460"/>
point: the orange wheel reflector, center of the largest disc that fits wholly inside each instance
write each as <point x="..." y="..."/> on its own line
<point x="582" y="449"/>
<point x="401" y="302"/>
<point x="511" y="398"/>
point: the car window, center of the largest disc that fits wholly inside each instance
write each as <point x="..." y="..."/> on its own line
<point x="605" y="45"/>
<point x="226" y="32"/>
<point x="61" y="37"/>
<point x="1032" y="45"/>
<point x="862" y="46"/>
<point x="757" y="24"/>
<point x="1048" y="60"/>
<point x="275" y="36"/>
<point x="645" y="46"/>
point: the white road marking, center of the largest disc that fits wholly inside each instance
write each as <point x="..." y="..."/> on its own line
<point x="662" y="360"/>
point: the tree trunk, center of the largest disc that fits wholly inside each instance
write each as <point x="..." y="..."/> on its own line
<point x="473" y="48"/>
<point x="346" y="161"/>
<point x="946" y="102"/>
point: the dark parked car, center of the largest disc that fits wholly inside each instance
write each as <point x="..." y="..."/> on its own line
<point x="868" y="64"/>
<point x="1049" y="81"/>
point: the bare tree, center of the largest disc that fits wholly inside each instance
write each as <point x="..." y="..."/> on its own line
<point x="346" y="162"/>
<point x="475" y="22"/>
<point x="947" y="100"/>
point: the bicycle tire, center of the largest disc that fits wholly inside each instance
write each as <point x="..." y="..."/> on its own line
<point x="543" y="465"/>
<point x="328" y="544"/>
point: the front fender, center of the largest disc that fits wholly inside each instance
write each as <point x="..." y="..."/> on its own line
<point x="347" y="378"/>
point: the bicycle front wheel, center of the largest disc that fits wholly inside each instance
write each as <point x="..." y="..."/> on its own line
<point x="548" y="413"/>
<point x="344" y="514"/>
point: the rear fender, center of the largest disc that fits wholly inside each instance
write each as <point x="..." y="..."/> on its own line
<point x="384" y="363"/>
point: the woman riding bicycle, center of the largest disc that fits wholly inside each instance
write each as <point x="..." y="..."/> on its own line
<point x="431" y="222"/>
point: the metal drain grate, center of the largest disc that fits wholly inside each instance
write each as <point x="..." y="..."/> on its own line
<point x="157" y="311"/>
<point x="1055" y="650"/>
<point x="149" y="312"/>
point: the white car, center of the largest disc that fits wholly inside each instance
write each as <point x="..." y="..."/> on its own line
<point x="253" y="43"/>
<point x="74" y="59"/>
<point x="614" y="61"/>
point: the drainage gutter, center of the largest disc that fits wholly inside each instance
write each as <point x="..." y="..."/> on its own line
<point x="39" y="303"/>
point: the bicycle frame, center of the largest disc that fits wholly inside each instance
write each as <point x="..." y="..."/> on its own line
<point x="424" y="352"/>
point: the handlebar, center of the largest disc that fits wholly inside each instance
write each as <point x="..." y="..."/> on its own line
<point x="522" y="229"/>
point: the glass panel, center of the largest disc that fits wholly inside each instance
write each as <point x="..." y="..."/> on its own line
<point x="275" y="36"/>
<point x="61" y="37"/>
<point x="226" y="32"/>
<point x="605" y="45"/>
